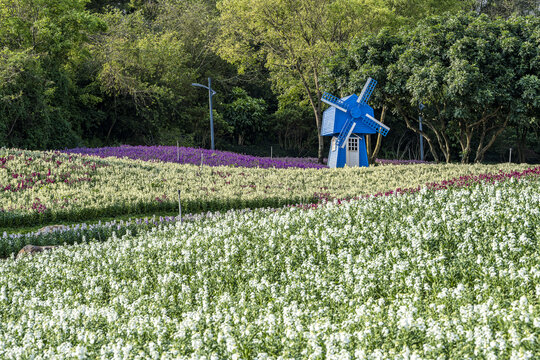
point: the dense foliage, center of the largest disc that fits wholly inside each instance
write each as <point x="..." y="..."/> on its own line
<point x="437" y="274"/>
<point x="292" y="38"/>
<point x="94" y="73"/>
<point x="476" y="77"/>
<point x="45" y="187"/>
<point x="43" y="88"/>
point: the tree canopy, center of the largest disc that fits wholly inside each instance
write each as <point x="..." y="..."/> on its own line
<point x="293" y="37"/>
<point x="475" y="76"/>
<point x="100" y="72"/>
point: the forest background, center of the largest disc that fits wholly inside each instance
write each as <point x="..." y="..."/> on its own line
<point x="103" y="73"/>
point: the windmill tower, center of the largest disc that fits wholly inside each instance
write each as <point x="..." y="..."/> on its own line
<point x="348" y="121"/>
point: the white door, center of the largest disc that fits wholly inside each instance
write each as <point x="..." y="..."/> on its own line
<point x="352" y="152"/>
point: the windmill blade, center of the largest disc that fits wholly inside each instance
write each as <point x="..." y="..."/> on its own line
<point x="367" y="91"/>
<point x="345" y="133"/>
<point x="344" y="142"/>
<point x="376" y="125"/>
<point x="334" y="101"/>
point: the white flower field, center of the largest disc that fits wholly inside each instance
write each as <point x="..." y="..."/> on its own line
<point x="269" y="180"/>
<point x="450" y="274"/>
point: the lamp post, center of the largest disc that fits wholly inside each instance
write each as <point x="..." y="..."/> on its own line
<point x="210" y="94"/>
<point x="421" y="107"/>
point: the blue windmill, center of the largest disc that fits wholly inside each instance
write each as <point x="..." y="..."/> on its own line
<point x="348" y="121"/>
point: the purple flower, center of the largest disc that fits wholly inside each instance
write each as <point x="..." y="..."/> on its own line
<point x="195" y="156"/>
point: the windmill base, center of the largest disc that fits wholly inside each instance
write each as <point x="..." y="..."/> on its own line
<point x="354" y="153"/>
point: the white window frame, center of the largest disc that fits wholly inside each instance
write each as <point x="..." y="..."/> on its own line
<point x="353" y="144"/>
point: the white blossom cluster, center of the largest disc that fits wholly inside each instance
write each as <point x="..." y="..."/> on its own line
<point x="433" y="275"/>
<point x="124" y="186"/>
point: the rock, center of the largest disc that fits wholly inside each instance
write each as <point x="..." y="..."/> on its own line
<point x="51" y="228"/>
<point x="31" y="249"/>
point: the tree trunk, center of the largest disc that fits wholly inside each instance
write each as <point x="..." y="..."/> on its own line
<point x="417" y="131"/>
<point x="375" y="152"/>
<point x="465" y="139"/>
<point x="318" y="121"/>
<point x="316" y="105"/>
<point x="12" y="127"/>
<point x="481" y="151"/>
<point x="317" y="111"/>
<point x="446" y="151"/>
<point x="521" y="144"/>
<point x="368" y="147"/>
<point x="321" y="145"/>
<point x="114" y="121"/>
<point x="318" y="115"/>
<point x="440" y="142"/>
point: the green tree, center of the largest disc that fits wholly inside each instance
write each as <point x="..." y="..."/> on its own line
<point x="43" y="45"/>
<point x="476" y="76"/>
<point x="140" y="69"/>
<point x="246" y="116"/>
<point x="293" y="124"/>
<point x="293" y="37"/>
<point x="470" y="82"/>
<point x="526" y="121"/>
<point x="146" y="63"/>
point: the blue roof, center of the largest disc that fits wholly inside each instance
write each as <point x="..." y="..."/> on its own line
<point x="334" y="119"/>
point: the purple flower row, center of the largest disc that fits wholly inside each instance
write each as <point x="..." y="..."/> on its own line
<point x="186" y="155"/>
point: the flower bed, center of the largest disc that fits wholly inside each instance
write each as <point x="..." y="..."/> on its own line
<point x="50" y="187"/>
<point x="11" y="243"/>
<point x="194" y="156"/>
<point x="434" y="274"/>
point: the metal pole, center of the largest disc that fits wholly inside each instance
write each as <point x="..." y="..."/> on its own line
<point x="210" y="94"/>
<point x="510" y="157"/>
<point x="421" y="142"/>
<point x="211" y="115"/>
<point x="421" y="107"/>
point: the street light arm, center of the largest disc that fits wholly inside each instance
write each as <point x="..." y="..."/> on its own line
<point x="210" y="94"/>
<point x="199" y="85"/>
<point x="203" y="86"/>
